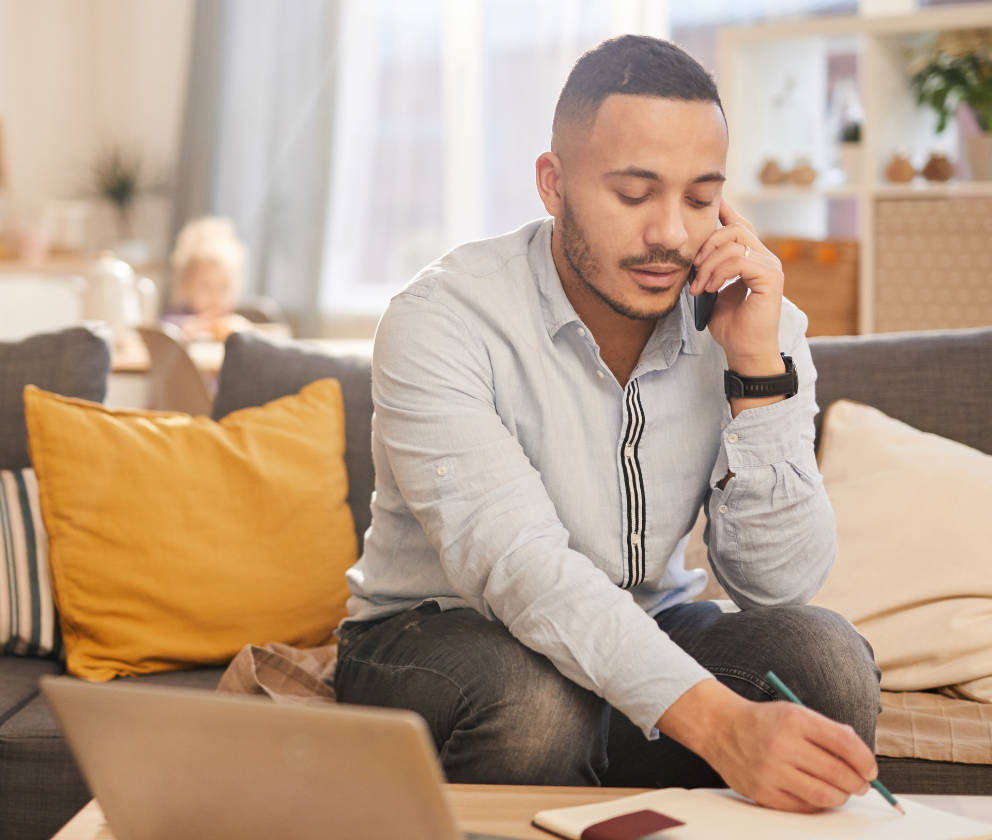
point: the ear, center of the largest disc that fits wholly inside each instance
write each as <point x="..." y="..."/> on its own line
<point x="549" y="183"/>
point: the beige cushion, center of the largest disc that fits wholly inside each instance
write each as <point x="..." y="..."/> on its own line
<point x="921" y="724"/>
<point x="915" y="529"/>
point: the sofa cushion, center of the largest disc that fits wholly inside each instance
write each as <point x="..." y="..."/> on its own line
<point x="19" y="682"/>
<point x="176" y="540"/>
<point x="28" y="621"/>
<point x="926" y="724"/>
<point x="42" y="788"/>
<point x="913" y="537"/>
<point x="257" y="369"/>
<point x="914" y="775"/>
<point x="74" y="362"/>
<point x="933" y="380"/>
<point x="41" y="783"/>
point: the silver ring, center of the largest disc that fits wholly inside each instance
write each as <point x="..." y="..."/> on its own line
<point x="747" y="251"/>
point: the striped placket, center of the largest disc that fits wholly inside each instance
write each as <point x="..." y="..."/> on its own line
<point x="633" y="485"/>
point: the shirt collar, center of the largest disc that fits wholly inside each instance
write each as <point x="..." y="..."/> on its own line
<point x="677" y="331"/>
<point x="555" y="306"/>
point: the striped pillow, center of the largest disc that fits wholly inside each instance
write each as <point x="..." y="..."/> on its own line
<point x="29" y="625"/>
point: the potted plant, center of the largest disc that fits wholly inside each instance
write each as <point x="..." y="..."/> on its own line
<point x="957" y="72"/>
<point x="850" y="152"/>
<point x="117" y="178"/>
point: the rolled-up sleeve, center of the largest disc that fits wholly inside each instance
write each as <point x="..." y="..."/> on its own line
<point x="487" y="514"/>
<point x="771" y="532"/>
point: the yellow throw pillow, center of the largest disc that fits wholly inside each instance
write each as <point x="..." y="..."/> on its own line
<point x="912" y="570"/>
<point x="176" y="540"/>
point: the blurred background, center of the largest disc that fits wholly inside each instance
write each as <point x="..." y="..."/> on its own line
<point x="350" y="142"/>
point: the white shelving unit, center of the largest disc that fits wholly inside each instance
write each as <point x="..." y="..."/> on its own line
<point x="766" y="73"/>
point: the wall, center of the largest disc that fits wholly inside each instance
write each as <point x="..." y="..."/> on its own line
<point x="78" y="75"/>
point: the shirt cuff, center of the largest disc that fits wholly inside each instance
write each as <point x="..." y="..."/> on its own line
<point x="767" y="434"/>
<point x="649" y="698"/>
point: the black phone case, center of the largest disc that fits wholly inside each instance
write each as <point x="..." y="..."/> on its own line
<point x="703" y="308"/>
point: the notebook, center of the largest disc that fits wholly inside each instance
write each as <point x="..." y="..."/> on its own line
<point x="169" y="762"/>
<point x="679" y="814"/>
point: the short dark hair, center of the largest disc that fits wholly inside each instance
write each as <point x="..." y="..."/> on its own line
<point x="630" y="64"/>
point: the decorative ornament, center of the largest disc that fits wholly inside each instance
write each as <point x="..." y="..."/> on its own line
<point x="772" y="174"/>
<point x="826" y="253"/>
<point x="938" y="168"/>
<point x="899" y="170"/>
<point x="790" y="250"/>
<point x="803" y="173"/>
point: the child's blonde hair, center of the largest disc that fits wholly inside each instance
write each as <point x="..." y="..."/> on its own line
<point x="210" y="238"/>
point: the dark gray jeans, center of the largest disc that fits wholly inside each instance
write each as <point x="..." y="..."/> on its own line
<point x="502" y="714"/>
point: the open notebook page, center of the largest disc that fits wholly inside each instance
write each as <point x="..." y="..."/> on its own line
<point x="708" y="813"/>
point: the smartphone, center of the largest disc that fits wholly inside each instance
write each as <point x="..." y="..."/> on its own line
<point x="702" y="304"/>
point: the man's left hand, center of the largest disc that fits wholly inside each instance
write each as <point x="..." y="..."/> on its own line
<point x="746" y="316"/>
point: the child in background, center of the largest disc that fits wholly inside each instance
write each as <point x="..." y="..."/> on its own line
<point x="208" y="264"/>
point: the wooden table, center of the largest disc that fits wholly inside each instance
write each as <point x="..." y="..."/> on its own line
<point x="66" y="265"/>
<point x="131" y="357"/>
<point x="490" y="809"/>
<point x="507" y="810"/>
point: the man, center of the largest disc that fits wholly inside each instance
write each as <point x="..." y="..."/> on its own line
<point x="548" y="422"/>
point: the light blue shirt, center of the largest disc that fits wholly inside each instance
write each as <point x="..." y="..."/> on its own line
<point x="516" y="476"/>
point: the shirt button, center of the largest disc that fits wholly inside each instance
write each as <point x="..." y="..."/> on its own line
<point x="442" y="471"/>
<point x="600" y="374"/>
<point x="723" y="508"/>
<point x="635" y="539"/>
<point x="732" y="437"/>
<point x="581" y="332"/>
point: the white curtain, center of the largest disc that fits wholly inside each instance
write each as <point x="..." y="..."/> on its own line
<point x="442" y="108"/>
<point x="353" y="141"/>
<point x="257" y="138"/>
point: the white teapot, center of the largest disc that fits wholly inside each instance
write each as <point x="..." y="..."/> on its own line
<point x="112" y="293"/>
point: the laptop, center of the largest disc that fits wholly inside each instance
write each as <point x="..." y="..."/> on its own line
<point x="171" y="762"/>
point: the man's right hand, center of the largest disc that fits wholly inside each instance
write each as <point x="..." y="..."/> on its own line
<point x="779" y="754"/>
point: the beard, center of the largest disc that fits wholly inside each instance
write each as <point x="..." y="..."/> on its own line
<point x="587" y="269"/>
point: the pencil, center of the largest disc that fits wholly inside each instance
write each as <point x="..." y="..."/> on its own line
<point x="784" y="690"/>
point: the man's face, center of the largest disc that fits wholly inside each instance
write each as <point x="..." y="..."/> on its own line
<point x="640" y="193"/>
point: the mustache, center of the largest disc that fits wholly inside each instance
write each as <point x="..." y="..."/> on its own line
<point x="656" y="255"/>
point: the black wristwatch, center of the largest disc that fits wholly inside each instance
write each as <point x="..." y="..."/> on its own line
<point x="781" y="384"/>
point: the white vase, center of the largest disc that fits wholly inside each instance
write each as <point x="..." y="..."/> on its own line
<point x="111" y="295"/>
<point x="147" y="299"/>
<point x="852" y="162"/>
<point x="979" y="148"/>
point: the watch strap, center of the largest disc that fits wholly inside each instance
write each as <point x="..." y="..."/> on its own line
<point x="781" y="384"/>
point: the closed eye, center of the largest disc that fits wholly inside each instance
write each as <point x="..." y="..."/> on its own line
<point x="632" y="199"/>
<point x="698" y="202"/>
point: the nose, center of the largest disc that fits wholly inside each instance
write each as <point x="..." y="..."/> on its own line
<point x="666" y="227"/>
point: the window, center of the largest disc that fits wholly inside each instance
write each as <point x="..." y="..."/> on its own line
<point x="442" y="108"/>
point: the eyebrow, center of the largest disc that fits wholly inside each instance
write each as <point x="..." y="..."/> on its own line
<point x="637" y="172"/>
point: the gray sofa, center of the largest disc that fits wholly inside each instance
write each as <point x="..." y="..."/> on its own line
<point x="930" y="380"/>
